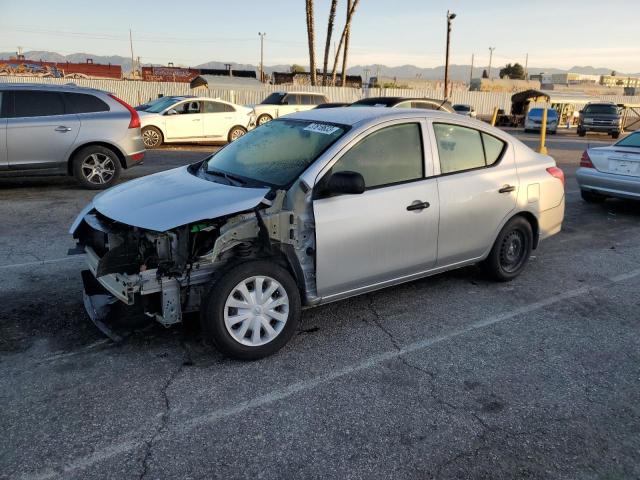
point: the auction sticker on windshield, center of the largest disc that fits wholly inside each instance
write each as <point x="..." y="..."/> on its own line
<point x="321" y="128"/>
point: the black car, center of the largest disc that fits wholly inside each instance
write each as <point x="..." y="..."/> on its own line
<point x="404" y="102"/>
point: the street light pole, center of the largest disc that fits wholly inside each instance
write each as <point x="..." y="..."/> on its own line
<point x="450" y="16"/>
<point x="262" y="34"/>
<point x="491" y="49"/>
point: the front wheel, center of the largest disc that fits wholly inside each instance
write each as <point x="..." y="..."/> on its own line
<point x="615" y="135"/>
<point x="511" y="251"/>
<point x="581" y="133"/>
<point x="252" y="310"/>
<point x="96" y="167"/>
<point x="235" y="133"/>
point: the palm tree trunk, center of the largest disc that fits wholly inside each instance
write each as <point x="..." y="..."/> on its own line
<point x="311" y="37"/>
<point x="327" y="45"/>
<point x="351" y="8"/>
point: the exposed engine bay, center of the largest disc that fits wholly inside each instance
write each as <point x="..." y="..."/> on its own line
<point x="166" y="274"/>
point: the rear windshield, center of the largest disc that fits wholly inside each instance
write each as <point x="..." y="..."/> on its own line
<point x="273" y="99"/>
<point x="601" y="109"/>
<point x="462" y="108"/>
<point x="632" y="140"/>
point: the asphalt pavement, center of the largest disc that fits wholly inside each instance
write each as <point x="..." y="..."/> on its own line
<point x="451" y="376"/>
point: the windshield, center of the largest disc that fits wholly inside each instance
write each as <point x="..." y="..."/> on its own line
<point x="462" y="108"/>
<point x="276" y="153"/>
<point x="632" y="140"/>
<point x="601" y="109"/>
<point x="159" y="105"/>
<point x="537" y="112"/>
<point x="273" y="99"/>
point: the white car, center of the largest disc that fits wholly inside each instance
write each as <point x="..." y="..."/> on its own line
<point x="282" y="103"/>
<point x="194" y="119"/>
<point x="464" y="109"/>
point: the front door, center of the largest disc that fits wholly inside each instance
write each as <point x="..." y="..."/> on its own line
<point x="383" y="233"/>
<point x="39" y="134"/>
<point x="478" y="188"/>
<point x="186" y="123"/>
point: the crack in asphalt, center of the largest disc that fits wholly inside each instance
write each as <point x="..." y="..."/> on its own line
<point x="186" y="361"/>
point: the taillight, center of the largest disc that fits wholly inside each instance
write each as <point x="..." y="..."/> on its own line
<point x="557" y="173"/>
<point x="135" y="118"/>
<point x="585" y="160"/>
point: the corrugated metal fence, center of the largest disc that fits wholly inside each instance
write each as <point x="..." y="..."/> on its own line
<point x="136" y="92"/>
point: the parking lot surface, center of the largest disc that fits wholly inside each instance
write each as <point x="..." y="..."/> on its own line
<point x="451" y="376"/>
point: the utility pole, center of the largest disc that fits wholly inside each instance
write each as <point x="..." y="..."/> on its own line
<point x="491" y="49"/>
<point x="262" y="34"/>
<point x="450" y="16"/>
<point x="526" y="65"/>
<point x="471" y="71"/>
<point x="366" y="75"/>
<point x="133" y="65"/>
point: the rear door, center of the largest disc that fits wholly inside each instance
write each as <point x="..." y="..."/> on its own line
<point x="478" y="188"/>
<point x="187" y="123"/>
<point x="373" y="237"/>
<point x="218" y="119"/>
<point x="40" y="133"/>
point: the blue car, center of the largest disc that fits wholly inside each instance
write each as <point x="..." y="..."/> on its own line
<point x="533" y="120"/>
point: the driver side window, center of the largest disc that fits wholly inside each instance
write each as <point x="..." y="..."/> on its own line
<point x="188" y="107"/>
<point x="388" y="156"/>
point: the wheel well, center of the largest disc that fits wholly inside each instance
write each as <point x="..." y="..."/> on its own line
<point x="535" y="229"/>
<point x="115" y="149"/>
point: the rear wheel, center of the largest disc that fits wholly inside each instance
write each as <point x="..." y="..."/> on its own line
<point x="511" y="251"/>
<point x="235" y="133"/>
<point x="152" y="137"/>
<point x="592" y="197"/>
<point x="96" y="167"/>
<point x="581" y="133"/>
<point x="252" y="310"/>
<point x="615" y="135"/>
<point x="264" y="118"/>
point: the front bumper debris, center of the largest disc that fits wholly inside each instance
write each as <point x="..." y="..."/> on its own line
<point x="98" y="304"/>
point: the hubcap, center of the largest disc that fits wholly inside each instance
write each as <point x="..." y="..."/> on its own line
<point x="263" y="120"/>
<point x="513" y="250"/>
<point x="256" y="311"/>
<point x="150" y="138"/>
<point x="98" y="168"/>
<point x="236" y="133"/>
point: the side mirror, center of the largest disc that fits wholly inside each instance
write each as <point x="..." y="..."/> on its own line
<point x="344" y="183"/>
<point x="171" y="111"/>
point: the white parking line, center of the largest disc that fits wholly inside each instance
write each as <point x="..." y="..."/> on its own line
<point x="42" y="262"/>
<point x="127" y="444"/>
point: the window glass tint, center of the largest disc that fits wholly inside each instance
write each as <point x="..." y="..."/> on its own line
<point x="459" y="148"/>
<point x="228" y="108"/>
<point x="292" y="100"/>
<point x="214" y="107"/>
<point x="425" y="105"/>
<point x="84" y="103"/>
<point x="601" y="109"/>
<point x="632" y="140"/>
<point x="492" y="148"/>
<point x="390" y="155"/>
<point x="37" y="104"/>
<point x="188" y="107"/>
<point x="273" y="99"/>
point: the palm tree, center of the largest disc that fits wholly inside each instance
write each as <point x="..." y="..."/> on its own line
<point x="327" y="45"/>
<point x="344" y="39"/>
<point x="311" y="37"/>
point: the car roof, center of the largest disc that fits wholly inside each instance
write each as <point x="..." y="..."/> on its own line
<point x="69" y="87"/>
<point x="355" y="116"/>
<point x="391" y="101"/>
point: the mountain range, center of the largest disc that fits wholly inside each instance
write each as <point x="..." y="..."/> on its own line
<point x="456" y="72"/>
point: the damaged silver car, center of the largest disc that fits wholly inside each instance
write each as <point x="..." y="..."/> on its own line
<point x="312" y="208"/>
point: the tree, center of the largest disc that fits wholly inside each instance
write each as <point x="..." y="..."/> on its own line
<point x="295" y="68"/>
<point x="327" y="45"/>
<point x="485" y="74"/>
<point x="351" y="8"/>
<point x="514" y="72"/>
<point x="311" y="35"/>
<point x="613" y="73"/>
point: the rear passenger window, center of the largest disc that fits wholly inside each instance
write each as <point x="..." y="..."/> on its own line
<point x="84" y="103"/>
<point x="390" y="155"/>
<point x="229" y="108"/>
<point x="29" y="103"/>
<point x="214" y="107"/>
<point x="493" y="148"/>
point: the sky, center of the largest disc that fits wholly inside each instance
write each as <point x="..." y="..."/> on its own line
<point x="556" y="34"/>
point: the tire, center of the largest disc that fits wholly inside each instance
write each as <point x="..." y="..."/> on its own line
<point x="511" y="251"/>
<point x="238" y="340"/>
<point x="264" y="118"/>
<point x="592" y="197"/>
<point x="615" y="135"/>
<point x="235" y="133"/>
<point x="96" y="167"/>
<point x="152" y="137"/>
<point x="581" y="133"/>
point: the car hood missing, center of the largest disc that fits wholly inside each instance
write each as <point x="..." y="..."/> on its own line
<point x="174" y="198"/>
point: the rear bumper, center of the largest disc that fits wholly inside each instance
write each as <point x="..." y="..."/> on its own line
<point x="550" y="221"/>
<point x="135" y="158"/>
<point x="609" y="184"/>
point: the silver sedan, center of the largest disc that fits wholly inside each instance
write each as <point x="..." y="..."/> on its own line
<point x="612" y="171"/>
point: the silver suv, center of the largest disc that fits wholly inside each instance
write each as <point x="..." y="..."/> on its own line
<point x="67" y="130"/>
<point x="312" y="208"/>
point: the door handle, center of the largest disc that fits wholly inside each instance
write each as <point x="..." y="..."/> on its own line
<point x="63" y="129"/>
<point x="418" y="205"/>
<point x="507" y="189"/>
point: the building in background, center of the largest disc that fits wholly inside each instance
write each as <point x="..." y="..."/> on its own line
<point x="18" y="65"/>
